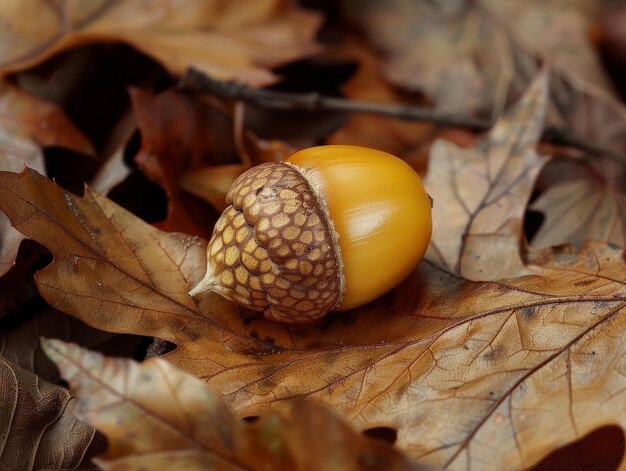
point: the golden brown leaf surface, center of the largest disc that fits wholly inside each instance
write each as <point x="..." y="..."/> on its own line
<point x="26" y="125"/>
<point x="158" y="417"/>
<point x="228" y="40"/>
<point x="478" y="56"/>
<point x="485" y="375"/>
<point x="36" y="431"/>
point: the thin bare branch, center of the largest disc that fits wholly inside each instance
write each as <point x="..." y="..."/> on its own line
<point x="199" y="82"/>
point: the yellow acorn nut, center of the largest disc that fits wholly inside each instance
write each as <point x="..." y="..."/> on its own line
<point x="329" y="229"/>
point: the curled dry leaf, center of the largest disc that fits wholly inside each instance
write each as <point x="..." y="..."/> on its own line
<point x="224" y="39"/>
<point x="192" y="144"/>
<point x="477" y="56"/>
<point x="178" y="134"/>
<point x="487" y="375"/>
<point x="480" y="193"/>
<point x="158" y="417"/>
<point x="114" y="170"/>
<point x="586" y="207"/>
<point x="36" y="430"/>
<point x="20" y="343"/>
<point x="26" y="125"/>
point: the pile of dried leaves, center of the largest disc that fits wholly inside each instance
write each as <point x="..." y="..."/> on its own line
<point x="505" y="349"/>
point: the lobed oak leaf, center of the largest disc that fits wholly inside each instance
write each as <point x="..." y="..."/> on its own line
<point x="227" y="40"/>
<point x="36" y="429"/>
<point x="26" y="125"/>
<point x="480" y="193"/>
<point x="113" y="270"/>
<point x="159" y="417"/>
<point x="487" y="375"/>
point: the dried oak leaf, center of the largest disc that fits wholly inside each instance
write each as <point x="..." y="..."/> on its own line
<point x="36" y="430"/>
<point x="26" y="125"/>
<point x="159" y="417"/>
<point x="480" y="193"/>
<point x="487" y="375"/>
<point x="228" y="40"/>
<point x="477" y="56"/>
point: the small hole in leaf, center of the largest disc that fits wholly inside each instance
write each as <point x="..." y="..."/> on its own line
<point x="385" y="434"/>
<point x="601" y="449"/>
<point x="532" y="223"/>
<point x="251" y="419"/>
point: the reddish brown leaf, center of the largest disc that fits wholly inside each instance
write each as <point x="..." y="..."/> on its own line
<point x="156" y="416"/>
<point x="26" y="125"/>
<point x="180" y="134"/>
<point x="193" y="144"/>
<point x="225" y="39"/>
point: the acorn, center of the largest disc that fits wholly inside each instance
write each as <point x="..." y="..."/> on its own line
<point x="328" y="229"/>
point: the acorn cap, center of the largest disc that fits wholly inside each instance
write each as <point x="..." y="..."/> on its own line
<point x="274" y="249"/>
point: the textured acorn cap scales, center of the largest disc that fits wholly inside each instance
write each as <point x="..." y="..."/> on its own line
<point x="274" y="249"/>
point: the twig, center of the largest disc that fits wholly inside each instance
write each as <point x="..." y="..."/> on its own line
<point x="199" y="82"/>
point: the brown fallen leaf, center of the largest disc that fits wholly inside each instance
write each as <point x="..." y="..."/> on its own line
<point x="195" y="145"/>
<point x="158" y="417"/>
<point x="178" y="134"/>
<point x="480" y="193"/>
<point x="36" y="430"/>
<point x="477" y="56"/>
<point x="227" y="40"/>
<point x="27" y="124"/>
<point x="584" y="207"/>
<point x="487" y="375"/>
<point x="19" y="344"/>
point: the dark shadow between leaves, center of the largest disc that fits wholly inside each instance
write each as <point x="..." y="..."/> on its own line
<point x="602" y="450"/>
<point x="385" y="434"/>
